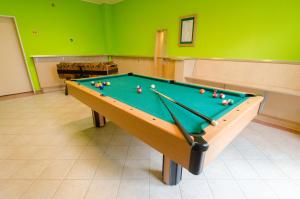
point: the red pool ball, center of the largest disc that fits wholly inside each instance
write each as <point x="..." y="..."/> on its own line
<point x="139" y="90"/>
<point x="202" y="91"/>
<point x="222" y="95"/>
<point x="225" y="102"/>
<point x="215" y="95"/>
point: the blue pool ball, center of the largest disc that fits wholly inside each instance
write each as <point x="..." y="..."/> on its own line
<point x="101" y="87"/>
<point x="104" y="83"/>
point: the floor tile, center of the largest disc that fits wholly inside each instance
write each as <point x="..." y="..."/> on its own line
<point x="138" y="152"/>
<point x="290" y="167"/>
<point x="81" y="138"/>
<point x="256" y="189"/>
<point x="75" y="189"/>
<point x="189" y="176"/>
<point x="4" y="139"/>
<point x="252" y="153"/>
<point x="273" y="152"/>
<point x="46" y="153"/>
<point x="57" y="169"/>
<point x="42" y="189"/>
<point x="6" y="151"/>
<point x="284" y="189"/>
<point x="231" y="153"/>
<point x="13" y="189"/>
<point x="266" y="169"/>
<point x="101" y="139"/>
<point x="195" y="189"/>
<point x="134" y="189"/>
<point x="110" y="169"/>
<point x="154" y="154"/>
<point x="10" y="167"/>
<point x="155" y="170"/>
<point x="241" y="169"/>
<point x="93" y="152"/>
<point x="116" y="152"/>
<point x="31" y="169"/>
<point x="121" y="140"/>
<point x="83" y="169"/>
<point x="136" y="169"/>
<point x="159" y="190"/>
<point x="137" y="142"/>
<point x="70" y="153"/>
<point x="225" y="189"/>
<point x="104" y="189"/>
<point x="19" y="140"/>
<point x="217" y="170"/>
<point x="24" y="153"/>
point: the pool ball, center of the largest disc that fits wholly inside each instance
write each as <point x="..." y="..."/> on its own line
<point x="214" y="123"/>
<point x="139" y="90"/>
<point x="104" y="83"/>
<point x="138" y="86"/>
<point x="107" y="83"/>
<point x="222" y="95"/>
<point x="152" y="86"/>
<point x="225" y="102"/>
<point x="215" y="95"/>
<point x="101" y="87"/>
<point x="92" y="82"/>
<point x="230" y="102"/>
<point x="202" y="91"/>
<point x="97" y="85"/>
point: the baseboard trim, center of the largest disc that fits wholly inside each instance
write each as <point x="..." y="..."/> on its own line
<point x="53" y="89"/>
<point x="286" y="125"/>
<point x="18" y="95"/>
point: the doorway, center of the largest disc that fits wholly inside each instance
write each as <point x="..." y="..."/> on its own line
<point x="14" y="78"/>
<point x="164" y="67"/>
<point x="160" y="52"/>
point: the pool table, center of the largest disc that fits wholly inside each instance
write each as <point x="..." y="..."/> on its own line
<point x="145" y="116"/>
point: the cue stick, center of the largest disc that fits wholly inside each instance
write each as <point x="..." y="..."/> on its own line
<point x="186" y="135"/>
<point x="211" y="121"/>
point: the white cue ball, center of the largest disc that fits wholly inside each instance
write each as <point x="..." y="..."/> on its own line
<point x="214" y="123"/>
<point x="152" y="86"/>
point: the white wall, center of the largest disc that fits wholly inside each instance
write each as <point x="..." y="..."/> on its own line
<point x="13" y="73"/>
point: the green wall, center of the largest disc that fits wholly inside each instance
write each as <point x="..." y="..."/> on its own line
<point x="234" y="29"/>
<point x="248" y="29"/>
<point x="55" y="26"/>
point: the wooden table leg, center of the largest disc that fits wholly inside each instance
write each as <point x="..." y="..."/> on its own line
<point x="171" y="171"/>
<point x="99" y="120"/>
<point x="66" y="90"/>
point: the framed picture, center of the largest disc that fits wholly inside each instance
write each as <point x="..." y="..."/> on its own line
<point x="187" y="30"/>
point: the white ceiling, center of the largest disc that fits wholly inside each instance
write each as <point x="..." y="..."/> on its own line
<point x="103" y="1"/>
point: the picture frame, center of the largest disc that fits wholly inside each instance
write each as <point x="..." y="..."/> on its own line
<point x="187" y="31"/>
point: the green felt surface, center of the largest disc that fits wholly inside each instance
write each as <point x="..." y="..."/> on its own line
<point x="123" y="88"/>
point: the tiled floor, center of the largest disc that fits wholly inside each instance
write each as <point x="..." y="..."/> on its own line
<point x="49" y="149"/>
